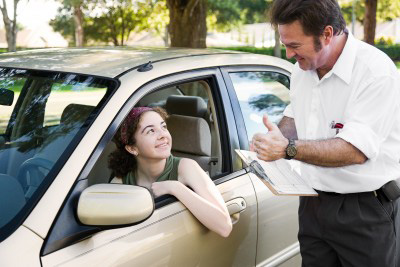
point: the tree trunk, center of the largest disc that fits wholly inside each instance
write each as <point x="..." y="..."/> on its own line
<point x="277" y="47"/>
<point x="10" y="26"/>
<point x="370" y="21"/>
<point x="79" y="33"/>
<point x="187" y="26"/>
<point x="166" y="37"/>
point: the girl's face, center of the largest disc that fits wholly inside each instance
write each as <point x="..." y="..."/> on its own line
<point x="153" y="139"/>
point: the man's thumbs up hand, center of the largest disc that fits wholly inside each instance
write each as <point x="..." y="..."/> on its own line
<point x="269" y="124"/>
<point x="271" y="145"/>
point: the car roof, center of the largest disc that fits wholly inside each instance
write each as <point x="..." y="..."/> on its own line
<point x="108" y="61"/>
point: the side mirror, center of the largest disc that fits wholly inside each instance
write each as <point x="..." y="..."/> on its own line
<point x="114" y="204"/>
<point x="6" y="97"/>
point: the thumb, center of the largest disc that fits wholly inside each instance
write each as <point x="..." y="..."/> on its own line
<point x="269" y="124"/>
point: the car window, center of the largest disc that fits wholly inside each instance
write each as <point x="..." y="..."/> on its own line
<point x="259" y="93"/>
<point x="49" y="111"/>
<point x="64" y="94"/>
<point x="192" y="123"/>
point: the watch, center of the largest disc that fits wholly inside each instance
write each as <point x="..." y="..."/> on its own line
<point x="291" y="150"/>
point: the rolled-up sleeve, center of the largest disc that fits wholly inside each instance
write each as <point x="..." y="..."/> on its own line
<point x="288" y="112"/>
<point x="369" y="115"/>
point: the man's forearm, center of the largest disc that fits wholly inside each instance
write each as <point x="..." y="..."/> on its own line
<point x="288" y="128"/>
<point x="334" y="152"/>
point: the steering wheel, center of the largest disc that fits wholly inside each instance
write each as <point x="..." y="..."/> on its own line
<point x="31" y="176"/>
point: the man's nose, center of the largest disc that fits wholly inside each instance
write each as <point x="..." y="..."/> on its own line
<point x="290" y="53"/>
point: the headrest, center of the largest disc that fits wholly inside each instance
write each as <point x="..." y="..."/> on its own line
<point x="193" y="106"/>
<point x="190" y="135"/>
<point x="75" y="113"/>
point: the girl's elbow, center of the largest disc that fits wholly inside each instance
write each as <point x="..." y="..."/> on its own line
<point x="226" y="230"/>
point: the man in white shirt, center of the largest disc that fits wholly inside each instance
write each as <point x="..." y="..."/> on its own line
<point x="343" y="124"/>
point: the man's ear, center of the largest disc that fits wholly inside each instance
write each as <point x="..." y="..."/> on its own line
<point x="132" y="150"/>
<point x="327" y="34"/>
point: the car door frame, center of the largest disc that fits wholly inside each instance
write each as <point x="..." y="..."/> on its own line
<point x="224" y="112"/>
<point x="292" y="252"/>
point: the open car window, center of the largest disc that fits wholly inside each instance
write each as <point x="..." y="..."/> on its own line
<point x="49" y="114"/>
<point x="192" y="123"/>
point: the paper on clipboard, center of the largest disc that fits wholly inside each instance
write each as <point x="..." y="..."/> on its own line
<point x="277" y="175"/>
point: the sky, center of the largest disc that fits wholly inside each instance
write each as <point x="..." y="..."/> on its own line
<point x="31" y="13"/>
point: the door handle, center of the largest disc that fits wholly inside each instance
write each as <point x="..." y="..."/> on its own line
<point x="235" y="207"/>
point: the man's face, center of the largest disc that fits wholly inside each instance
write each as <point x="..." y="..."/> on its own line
<point x="302" y="47"/>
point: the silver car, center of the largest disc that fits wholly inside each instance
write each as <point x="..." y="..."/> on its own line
<point x="59" y="111"/>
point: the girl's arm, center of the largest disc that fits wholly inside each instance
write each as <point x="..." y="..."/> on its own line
<point x="205" y="202"/>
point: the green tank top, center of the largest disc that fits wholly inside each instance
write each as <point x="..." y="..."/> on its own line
<point x="170" y="172"/>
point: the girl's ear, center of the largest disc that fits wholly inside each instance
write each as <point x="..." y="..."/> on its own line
<point x="132" y="150"/>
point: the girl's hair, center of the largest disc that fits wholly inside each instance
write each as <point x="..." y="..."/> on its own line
<point x="120" y="161"/>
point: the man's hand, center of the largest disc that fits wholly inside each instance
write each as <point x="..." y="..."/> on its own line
<point x="270" y="146"/>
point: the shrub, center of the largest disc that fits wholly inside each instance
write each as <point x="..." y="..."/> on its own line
<point x="393" y="51"/>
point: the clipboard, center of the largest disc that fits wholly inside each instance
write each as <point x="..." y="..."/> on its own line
<point x="279" y="176"/>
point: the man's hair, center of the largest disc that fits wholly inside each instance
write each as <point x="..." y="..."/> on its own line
<point x="313" y="15"/>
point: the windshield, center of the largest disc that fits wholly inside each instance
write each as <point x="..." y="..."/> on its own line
<point x="39" y="128"/>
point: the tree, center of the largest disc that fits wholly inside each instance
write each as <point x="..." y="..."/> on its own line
<point x="370" y="21"/>
<point x="75" y="7"/>
<point x="64" y="24"/>
<point x="10" y="25"/>
<point x="385" y="10"/>
<point x="231" y="14"/>
<point x="106" y="21"/>
<point x="187" y="24"/>
<point x="117" y="19"/>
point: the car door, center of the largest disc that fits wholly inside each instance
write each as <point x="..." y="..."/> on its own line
<point x="254" y="91"/>
<point x="171" y="236"/>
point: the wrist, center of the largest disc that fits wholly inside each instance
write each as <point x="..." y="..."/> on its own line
<point x="174" y="187"/>
<point x="291" y="149"/>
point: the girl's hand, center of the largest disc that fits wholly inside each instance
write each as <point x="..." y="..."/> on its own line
<point x="164" y="188"/>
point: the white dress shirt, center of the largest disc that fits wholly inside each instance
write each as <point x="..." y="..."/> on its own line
<point x="362" y="91"/>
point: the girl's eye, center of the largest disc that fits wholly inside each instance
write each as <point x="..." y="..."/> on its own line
<point x="164" y="126"/>
<point x="150" y="131"/>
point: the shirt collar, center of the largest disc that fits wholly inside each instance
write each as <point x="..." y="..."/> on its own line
<point x="343" y="67"/>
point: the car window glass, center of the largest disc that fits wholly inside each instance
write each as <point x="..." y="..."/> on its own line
<point x="64" y="94"/>
<point x="260" y="93"/>
<point x="48" y="112"/>
<point x="14" y="84"/>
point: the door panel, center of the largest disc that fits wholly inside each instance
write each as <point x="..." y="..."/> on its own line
<point x="277" y="220"/>
<point x="254" y="91"/>
<point x="172" y="237"/>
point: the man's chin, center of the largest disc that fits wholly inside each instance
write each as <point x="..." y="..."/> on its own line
<point x="304" y="66"/>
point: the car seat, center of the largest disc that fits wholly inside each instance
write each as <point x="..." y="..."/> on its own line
<point x="191" y="138"/>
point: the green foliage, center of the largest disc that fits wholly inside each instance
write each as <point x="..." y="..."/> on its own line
<point x="105" y="21"/>
<point x="387" y="10"/>
<point x="264" y="51"/>
<point x="393" y="51"/>
<point x="116" y="19"/>
<point x="384" y="41"/>
<point x="64" y="24"/>
<point x="223" y="15"/>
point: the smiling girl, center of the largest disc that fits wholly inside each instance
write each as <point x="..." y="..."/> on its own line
<point x="143" y="157"/>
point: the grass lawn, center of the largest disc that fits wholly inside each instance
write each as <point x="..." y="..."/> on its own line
<point x="398" y="64"/>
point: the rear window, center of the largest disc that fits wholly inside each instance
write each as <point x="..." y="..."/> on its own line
<point x="39" y="130"/>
